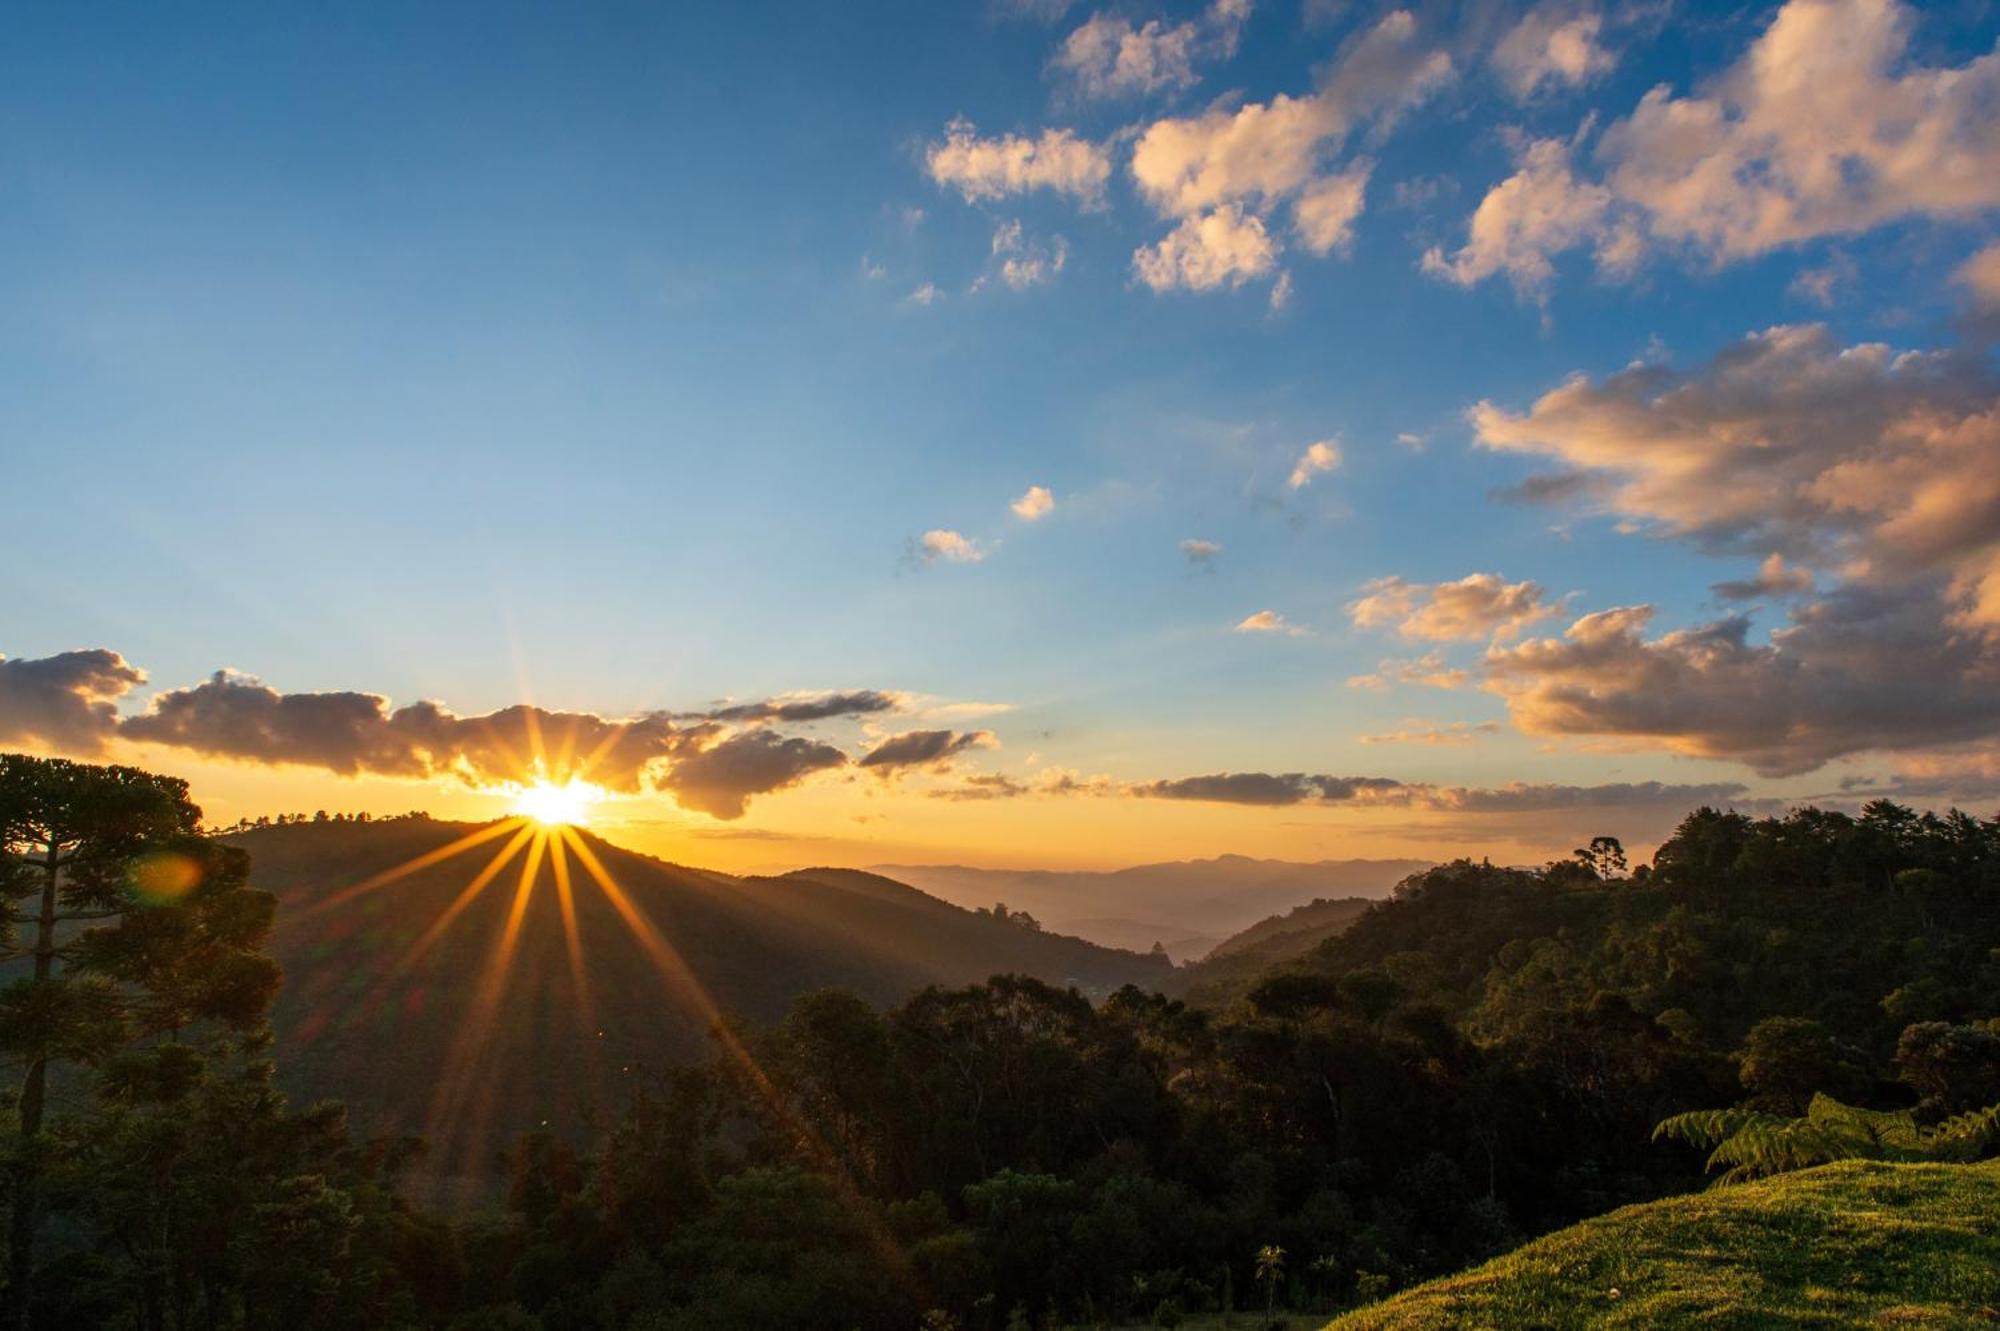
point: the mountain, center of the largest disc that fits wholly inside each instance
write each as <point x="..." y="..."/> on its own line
<point x="449" y="999"/>
<point x="1235" y="965"/>
<point x="1852" y="1244"/>
<point x="1186" y="904"/>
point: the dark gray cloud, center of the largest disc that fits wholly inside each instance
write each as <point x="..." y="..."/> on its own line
<point x="713" y="761"/>
<point x="1268" y="788"/>
<point x="923" y="748"/>
<point x="68" y="701"/>
<point x="1859" y="669"/>
<point x="798" y="707"/>
<point x="720" y="779"/>
<point x="236" y="716"/>
<point x="1287" y="788"/>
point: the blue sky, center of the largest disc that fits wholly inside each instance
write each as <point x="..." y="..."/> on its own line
<point x="460" y="353"/>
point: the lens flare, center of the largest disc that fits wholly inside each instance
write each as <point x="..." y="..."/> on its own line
<point x="164" y="876"/>
<point x="552" y="805"/>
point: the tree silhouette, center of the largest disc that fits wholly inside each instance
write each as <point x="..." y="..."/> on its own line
<point x="1270" y="1270"/>
<point x="136" y="925"/>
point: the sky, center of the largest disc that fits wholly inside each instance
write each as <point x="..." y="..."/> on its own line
<point x="1017" y="433"/>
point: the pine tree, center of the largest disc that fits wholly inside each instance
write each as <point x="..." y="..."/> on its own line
<point x="136" y="926"/>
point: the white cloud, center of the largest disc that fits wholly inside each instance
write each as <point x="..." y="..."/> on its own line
<point x="925" y="294"/>
<point x="1880" y="463"/>
<point x="950" y="546"/>
<point x="1025" y="262"/>
<point x="1324" y="213"/>
<point x="1107" y="57"/>
<point x="1237" y="165"/>
<point x="1980" y="276"/>
<point x="1281" y="292"/>
<point x="1479" y="605"/>
<point x="1878" y="468"/>
<point x="1201" y="553"/>
<point x="1541" y="209"/>
<point x="1220" y="248"/>
<point x="1036" y="503"/>
<point x="1318" y="458"/>
<point x="1411" y="440"/>
<point x="1552" y="47"/>
<point x="1269" y="621"/>
<point x="1823" y="128"/>
<point x="1011" y="164"/>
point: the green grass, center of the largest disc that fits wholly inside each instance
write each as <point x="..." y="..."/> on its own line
<point x="1853" y="1244"/>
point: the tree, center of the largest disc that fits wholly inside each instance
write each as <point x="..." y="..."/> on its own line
<point x="135" y="925"/>
<point x="1787" y="1060"/>
<point x="1604" y="856"/>
<point x="1270" y="1270"/>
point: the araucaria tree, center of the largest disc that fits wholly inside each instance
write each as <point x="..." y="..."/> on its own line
<point x="132" y="927"/>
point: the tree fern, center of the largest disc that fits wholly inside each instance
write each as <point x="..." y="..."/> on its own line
<point x="1746" y="1144"/>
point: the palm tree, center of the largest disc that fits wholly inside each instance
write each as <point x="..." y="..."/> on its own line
<point x="1270" y="1269"/>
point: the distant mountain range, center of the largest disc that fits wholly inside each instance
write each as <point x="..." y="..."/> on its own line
<point x="1187" y="905"/>
<point x="435" y="1037"/>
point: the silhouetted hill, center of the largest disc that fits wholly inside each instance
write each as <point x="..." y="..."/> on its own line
<point x="1235" y="965"/>
<point x="471" y="1030"/>
<point x="1183" y="902"/>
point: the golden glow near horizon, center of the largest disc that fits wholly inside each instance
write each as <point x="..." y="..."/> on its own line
<point x="552" y="805"/>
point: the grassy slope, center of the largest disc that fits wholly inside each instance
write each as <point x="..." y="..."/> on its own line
<point x="1845" y="1245"/>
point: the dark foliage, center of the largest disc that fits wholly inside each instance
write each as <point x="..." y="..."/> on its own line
<point x="1480" y="1059"/>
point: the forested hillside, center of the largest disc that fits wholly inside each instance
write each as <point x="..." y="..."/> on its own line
<point x="1479" y="1060"/>
<point x="379" y="998"/>
<point x="1229" y="970"/>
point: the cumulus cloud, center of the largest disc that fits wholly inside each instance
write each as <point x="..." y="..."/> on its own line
<point x="1824" y="127"/>
<point x="1878" y="467"/>
<point x="1874" y="460"/>
<point x="1479" y="605"/>
<point x="1540" y="210"/>
<point x="68" y="701"/>
<point x="1860" y="669"/>
<point x="1324" y="214"/>
<point x="713" y="760"/>
<point x="1034" y="504"/>
<point x="950" y="546"/>
<point x="1552" y="47"/>
<point x="719" y="779"/>
<point x="1222" y="247"/>
<point x="1980" y="276"/>
<point x="1107" y="57"/>
<point x="992" y="168"/>
<point x="1220" y="174"/>
<point x="1774" y="579"/>
<point x="1318" y="459"/>
<point x="924" y="748"/>
<point x="1268" y="621"/>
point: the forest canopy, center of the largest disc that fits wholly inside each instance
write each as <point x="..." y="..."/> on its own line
<point x="1479" y="1059"/>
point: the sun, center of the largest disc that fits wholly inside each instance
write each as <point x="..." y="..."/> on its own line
<point x="551" y="805"/>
